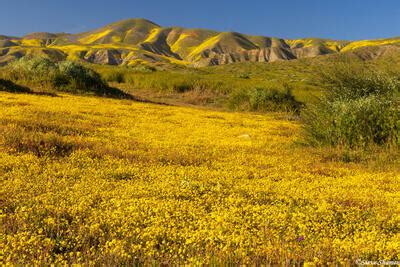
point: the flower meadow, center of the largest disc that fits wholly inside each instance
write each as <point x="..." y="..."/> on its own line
<point x="93" y="181"/>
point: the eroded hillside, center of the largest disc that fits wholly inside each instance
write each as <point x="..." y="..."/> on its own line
<point x="131" y="41"/>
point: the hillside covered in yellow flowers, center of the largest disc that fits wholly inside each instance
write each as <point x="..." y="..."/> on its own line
<point x="133" y="41"/>
<point x="88" y="180"/>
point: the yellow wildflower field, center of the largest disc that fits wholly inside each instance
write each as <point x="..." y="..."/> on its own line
<point x="89" y="180"/>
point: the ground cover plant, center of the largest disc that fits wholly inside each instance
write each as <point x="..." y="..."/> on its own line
<point x="232" y="180"/>
<point x="89" y="180"/>
<point x="137" y="144"/>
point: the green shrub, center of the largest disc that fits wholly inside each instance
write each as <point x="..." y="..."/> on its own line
<point x="260" y="99"/>
<point x="244" y="76"/>
<point x="354" y="123"/>
<point x="352" y="82"/>
<point x="360" y="109"/>
<point x="64" y="76"/>
<point x="32" y="71"/>
<point x="74" y="77"/>
<point x="144" y="68"/>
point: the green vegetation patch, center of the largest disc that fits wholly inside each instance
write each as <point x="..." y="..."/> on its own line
<point x="261" y="99"/>
<point x="360" y="109"/>
<point x="65" y="76"/>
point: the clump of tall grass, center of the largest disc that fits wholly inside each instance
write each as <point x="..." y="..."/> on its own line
<point x="114" y="76"/>
<point x="174" y="82"/>
<point x="264" y="100"/>
<point x="359" y="109"/>
<point x="119" y="74"/>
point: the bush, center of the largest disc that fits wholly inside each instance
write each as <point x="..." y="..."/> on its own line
<point x="244" y="76"/>
<point x="354" y="123"/>
<point x="360" y="109"/>
<point x="260" y="99"/>
<point x="74" y="77"/>
<point x="64" y="76"/>
<point x="33" y="71"/>
<point x="144" y="68"/>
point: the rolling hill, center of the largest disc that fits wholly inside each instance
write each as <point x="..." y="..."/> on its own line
<point x="132" y="41"/>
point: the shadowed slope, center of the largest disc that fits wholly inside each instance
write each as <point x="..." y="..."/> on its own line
<point x="9" y="86"/>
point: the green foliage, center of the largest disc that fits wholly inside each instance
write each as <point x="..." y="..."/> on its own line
<point x="74" y="77"/>
<point x="223" y="86"/>
<point x="114" y="76"/>
<point x="260" y="99"/>
<point x="360" y="109"/>
<point x="164" y="81"/>
<point x="350" y="81"/>
<point x="244" y="76"/>
<point x="144" y="68"/>
<point x="32" y="71"/>
<point x="354" y="123"/>
<point x="64" y="76"/>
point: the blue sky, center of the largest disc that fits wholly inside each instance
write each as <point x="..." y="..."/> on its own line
<point x="336" y="19"/>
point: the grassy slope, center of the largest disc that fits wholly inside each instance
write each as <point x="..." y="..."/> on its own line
<point x="212" y="86"/>
<point x="221" y="81"/>
<point x="119" y="180"/>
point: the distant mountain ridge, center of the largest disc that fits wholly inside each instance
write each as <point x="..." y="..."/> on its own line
<point x="131" y="41"/>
